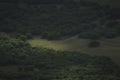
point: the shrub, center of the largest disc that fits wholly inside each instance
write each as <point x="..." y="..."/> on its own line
<point x="94" y="44"/>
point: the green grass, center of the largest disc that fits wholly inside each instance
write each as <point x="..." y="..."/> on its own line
<point x="109" y="47"/>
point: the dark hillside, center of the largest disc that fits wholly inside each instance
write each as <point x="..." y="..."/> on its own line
<point x="52" y="20"/>
<point x="20" y="20"/>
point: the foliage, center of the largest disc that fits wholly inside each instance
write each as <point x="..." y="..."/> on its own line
<point x="55" y="21"/>
<point x="94" y="43"/>
<point x="20" y="61"/>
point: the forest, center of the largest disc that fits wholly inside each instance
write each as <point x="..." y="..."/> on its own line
<point x="24" y="20"/>
<point x="23" y="62"/>
<point x="55" y="21"/>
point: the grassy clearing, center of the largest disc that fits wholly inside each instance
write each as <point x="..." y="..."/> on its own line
<point x="109" y="47"/>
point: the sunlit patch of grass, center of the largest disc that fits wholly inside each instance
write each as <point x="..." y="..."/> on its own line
<point x="109" y="47"/>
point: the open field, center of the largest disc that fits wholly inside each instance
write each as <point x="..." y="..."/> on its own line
<point x="109" y="47"/>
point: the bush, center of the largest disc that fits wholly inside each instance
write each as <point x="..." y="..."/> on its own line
<point x="21" y="37"/>
<point x="94" y="44"/>
<point x="28" y="35"/>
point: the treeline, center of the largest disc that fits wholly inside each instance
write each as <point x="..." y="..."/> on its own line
<point x="55" y="21"/>
<point x="20" y="61"/>
<point x="48" y="1"/>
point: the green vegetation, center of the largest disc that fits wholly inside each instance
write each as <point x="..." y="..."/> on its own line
<point x="108" y="47"/>
<point x="23" y="62"/>
<point x="36" y="40"/>
<point x="55" y="21"/>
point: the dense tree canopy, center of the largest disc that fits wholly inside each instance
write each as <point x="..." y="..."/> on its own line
<point x="55" y="21"/>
